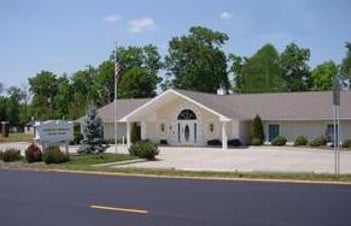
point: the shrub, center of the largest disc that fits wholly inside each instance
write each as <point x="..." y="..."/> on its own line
<point x="11" y="155"/>
<point x="146" y="150"/>
<point x="163" y="142"/>
<point x="53" y="154"/>
<point x="234" y="142"/>
<point x="214" y="142"/>
<point x="300" y="140"/>
<point x="318" y="141"/>
<point x="279" y="141"/>
<point x="256" y="141"/>
<point x="135" y="134"/>
<point x="77" y="137"/>
<point x="33" y="153"/>
<point x="346" y="143"/>
<point x="256" y="130"/>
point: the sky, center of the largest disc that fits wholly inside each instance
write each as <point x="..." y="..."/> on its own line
<point x="64" y="36"/>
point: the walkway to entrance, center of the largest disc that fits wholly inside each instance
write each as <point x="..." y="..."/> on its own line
<point x="264" y="159"/>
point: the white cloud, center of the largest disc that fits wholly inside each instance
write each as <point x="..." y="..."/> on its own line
<point x="225" y="15"/>
<point x="112" y="18"/>
<point x="141" y="25"/>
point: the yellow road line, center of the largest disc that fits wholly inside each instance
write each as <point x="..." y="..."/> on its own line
<point x="128" y="210"/>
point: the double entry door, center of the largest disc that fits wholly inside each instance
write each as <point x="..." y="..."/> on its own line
<point x="187" y="132"/>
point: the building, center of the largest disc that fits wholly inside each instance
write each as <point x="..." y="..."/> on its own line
<point x="192" y="118"/>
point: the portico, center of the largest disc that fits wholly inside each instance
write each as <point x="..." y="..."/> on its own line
<point x="179" y="121"/>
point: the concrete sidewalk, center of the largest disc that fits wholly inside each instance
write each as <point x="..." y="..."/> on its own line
<point x="263" y="159"/>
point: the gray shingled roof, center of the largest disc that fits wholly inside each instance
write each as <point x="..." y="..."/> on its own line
<point x="124" y="106"/>
<point x="275" y="106"/>
<point x="270" y="106"/>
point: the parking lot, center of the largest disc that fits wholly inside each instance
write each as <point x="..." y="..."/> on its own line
<point x="248" y="159"/>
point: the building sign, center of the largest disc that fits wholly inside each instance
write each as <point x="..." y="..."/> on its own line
<point x="54" y="131"/>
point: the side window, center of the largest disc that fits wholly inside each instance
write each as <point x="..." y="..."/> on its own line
<point x="330" y="133"/>
<point x="273" y="131"/>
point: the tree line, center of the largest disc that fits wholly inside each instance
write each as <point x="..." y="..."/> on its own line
<point x="195" y="61"/>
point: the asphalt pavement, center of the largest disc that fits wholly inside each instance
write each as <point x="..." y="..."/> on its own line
<point x="62" y="199"/>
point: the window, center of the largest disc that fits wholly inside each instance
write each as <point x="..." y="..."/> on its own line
<point x="273" y="131"/>
<point x="178" y="132"/>
<point x="211" y="128"/>
<point x="162" y="127"/>
<point x="195" y="132"/>
<point x="330" y="133"/>
<point x="187" y="114"/>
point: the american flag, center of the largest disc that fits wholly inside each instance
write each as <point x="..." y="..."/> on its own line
<point x="117" y="68"/>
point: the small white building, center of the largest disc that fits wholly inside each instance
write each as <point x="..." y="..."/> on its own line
<point x="187" y="118"/>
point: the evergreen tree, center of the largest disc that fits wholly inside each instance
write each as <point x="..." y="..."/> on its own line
<point x="260" y="73"/>
<point x="257" y="132"/>
<point x="135" y="133"/>
<point x="93" y="142"/>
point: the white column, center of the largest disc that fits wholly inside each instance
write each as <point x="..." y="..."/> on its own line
<point x="143" y="130"/>
<point x="224" y="136"/>
<point x="128" y="134"/>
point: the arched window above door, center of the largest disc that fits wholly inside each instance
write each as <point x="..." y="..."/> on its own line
<point x="187" y="114"/>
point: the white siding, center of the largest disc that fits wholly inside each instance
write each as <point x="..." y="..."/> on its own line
<point x="109" y="129"/>
<point x="309" y="129"/>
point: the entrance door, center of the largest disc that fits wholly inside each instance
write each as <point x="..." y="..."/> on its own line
<point x="187" y="127"/>
<point x="187" y="132"/>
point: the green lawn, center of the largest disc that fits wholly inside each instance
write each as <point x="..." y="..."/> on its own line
<point x="17" y="137"/>
<point x="86" y="160"/>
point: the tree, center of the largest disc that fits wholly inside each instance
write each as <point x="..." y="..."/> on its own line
<point x="15" y="98"/>
<point x="63" y="97"/>
<point x="259" y="73"/>
<point x="238" y="66"/>
<point x="83" y="91"/>
<point x="322" y="76"/>
<point x="44" y="88"/>
<point x="146" y="57"/>
<point x="93" y="142"/>
<point x="135" y="135"/>
<point x="257" y="131"/>
<point x="346" y="64"/>
<point x="138" y="83"/>
<point x="104" y="83"/>
<point x="196" y="61"/>
<point x="293" y="62"/>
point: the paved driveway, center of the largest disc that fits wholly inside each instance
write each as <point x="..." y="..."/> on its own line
<point x="264" y="158"/>
<point x="267" y="159"/>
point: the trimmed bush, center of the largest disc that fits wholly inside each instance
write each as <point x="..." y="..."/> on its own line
<point x="256" y="141"/>
<point x="346" y="143"/>
<point x="33" y="153"/>
<point x="234" y="143"/>
<point x="163" y="142"/>
<point x="256" y="129"/>
<point x="214" y="142"/>
<point x="318" y="141"/>
<point x="279" y="141"/>
<point x="145" y="150"/>
<point x="300" y="140"/>
<point x="11" y="155"/>
<point x="53" y="154"/>
<point x="135" y="134"/>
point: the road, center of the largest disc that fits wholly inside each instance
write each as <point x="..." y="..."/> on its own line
<point x="60" y="199"/>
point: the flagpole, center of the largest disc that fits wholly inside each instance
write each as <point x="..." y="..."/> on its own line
<point x="115" y="102"/>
